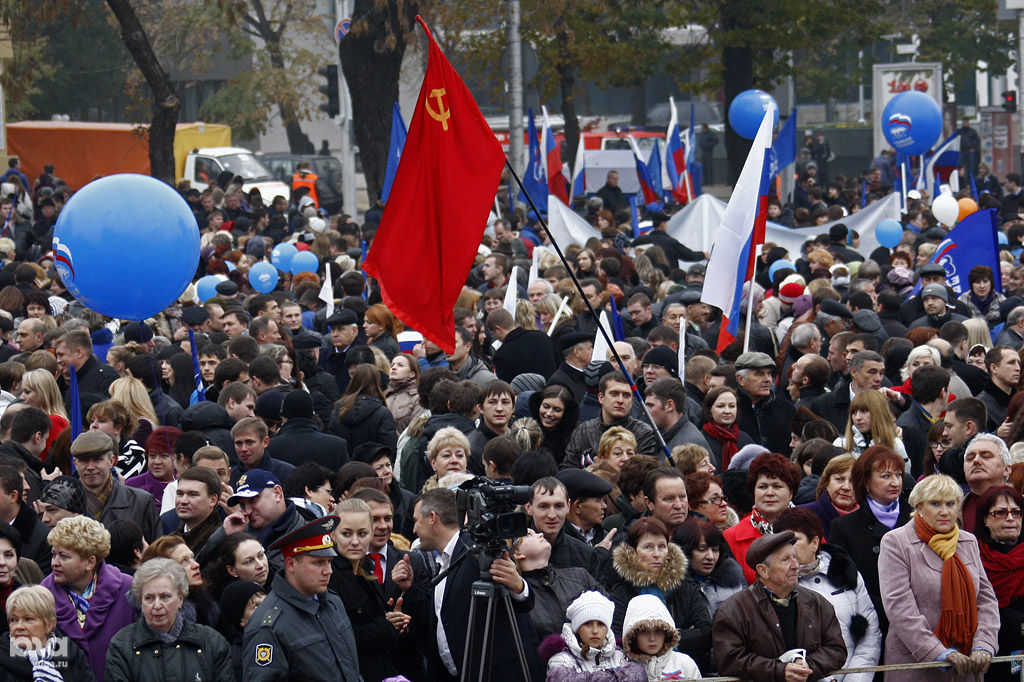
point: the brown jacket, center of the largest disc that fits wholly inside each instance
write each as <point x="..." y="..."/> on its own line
<point x="748" y="639"/>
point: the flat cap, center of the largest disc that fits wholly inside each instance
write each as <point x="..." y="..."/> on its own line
<point x="764" y="546"/>
<point x="91" y="443"/>
<point x="836" y="309"/>
<point x="867" y="320"/>
<point x="342" y="317"/>
<point x="932" y="269"/>
<point x="226" y="288"/>
<point x="935" y="290"/>
<point x="568" y="341"/>
<point x="690" y="297"/>
<point x="583" y="484"/>
<point x="194" y="315"/>
<point x="305" y="342"/>
<point x="755" y="360"/>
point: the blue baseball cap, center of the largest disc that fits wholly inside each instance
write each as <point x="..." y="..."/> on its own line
<point x="251" y="484"/>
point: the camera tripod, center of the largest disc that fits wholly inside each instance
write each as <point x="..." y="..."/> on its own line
<point x="498" y="605"/>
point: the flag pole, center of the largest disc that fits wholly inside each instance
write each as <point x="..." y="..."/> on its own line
<point x="750" y="304"/>
<point x="590" y="308"/>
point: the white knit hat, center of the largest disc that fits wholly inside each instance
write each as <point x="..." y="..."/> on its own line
<point x="590" y="606"/>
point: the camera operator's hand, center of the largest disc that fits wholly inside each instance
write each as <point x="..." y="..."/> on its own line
<point x="504" y="572"/>
<point x="401" y="574"/>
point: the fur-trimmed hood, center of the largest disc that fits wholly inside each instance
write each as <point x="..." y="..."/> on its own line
<point x="627" y="565"/>
<point x="647" y="612"/>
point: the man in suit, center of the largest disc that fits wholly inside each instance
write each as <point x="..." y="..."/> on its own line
<point x="385" y="556"/>
<point x="446" y="605"/>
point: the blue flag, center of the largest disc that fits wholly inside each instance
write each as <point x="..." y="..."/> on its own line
<point x="974" y="186"/>
<point x="394" y="151"/>
<point x="785" y="143"/>
<point x="534" y="179"/>
<point x="654" y="169"/>
<point x="617" y="330"/>
<point x="634" y="216"/>
<point x="200" y="393"/>
<point x="972" y="242"/>
<point x="75" y="400"/>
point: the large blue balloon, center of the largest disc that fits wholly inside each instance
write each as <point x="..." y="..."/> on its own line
<point x="747" y="111"/>
<point x="305" y="261"/>
<point x="206" y="287"/>
<point x="263" y="277"/>
<point x="889" y="233"/>
<point x="282" y="256"/>
<point x="126" y="245"/>
<point x="912" y="122"/>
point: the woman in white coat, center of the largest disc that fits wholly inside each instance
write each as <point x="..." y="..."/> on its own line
<point x="829" y="571"/>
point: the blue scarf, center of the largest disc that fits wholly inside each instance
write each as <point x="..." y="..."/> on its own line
<point x="886" y="515"/>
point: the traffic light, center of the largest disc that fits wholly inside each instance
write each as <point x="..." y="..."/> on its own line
<point x="1010" y="101"/>
<point x="333" y="105"/>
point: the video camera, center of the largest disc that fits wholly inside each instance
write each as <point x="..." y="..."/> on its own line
<point x="491" y="517"/>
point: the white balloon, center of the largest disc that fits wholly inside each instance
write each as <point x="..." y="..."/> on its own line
<point x="945" y="209"/>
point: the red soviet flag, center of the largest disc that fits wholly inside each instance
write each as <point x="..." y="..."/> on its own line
<point x="437" y="211"/>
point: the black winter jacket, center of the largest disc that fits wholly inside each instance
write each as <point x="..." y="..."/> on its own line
<point x="136" y="654"/>
<point x="299" y="440"/>
<point x="367" y="421"/>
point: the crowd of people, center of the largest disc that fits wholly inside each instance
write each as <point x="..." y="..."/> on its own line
<point x="266" y="485"/>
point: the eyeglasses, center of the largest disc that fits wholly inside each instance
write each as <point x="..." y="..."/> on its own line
<point x="1002" y="513"/>
<point x="717" y="499"/>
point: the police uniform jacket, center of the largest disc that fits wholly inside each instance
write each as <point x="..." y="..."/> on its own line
<point x="292" y="637"/>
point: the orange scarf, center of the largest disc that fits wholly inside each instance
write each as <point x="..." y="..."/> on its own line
<point x="958" y="619"/>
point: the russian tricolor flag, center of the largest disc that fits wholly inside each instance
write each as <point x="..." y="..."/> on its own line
<point x="941" y="166"/>
<point x="552" y="155"/>
<point x="579" y="180"/>
<point x="740" y="234"/>
<point x="675" y="156"/>
<point x="651" y="197"/>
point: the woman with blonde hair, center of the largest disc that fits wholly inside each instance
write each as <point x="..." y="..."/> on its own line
<point x="35" y="648"/>
<point x="871" y="423"/>
<point x="615" y="448"/>
<point x="918" y="357"/>
<point x="448" y="453"/>
<point x="132" y="393"/>
<point x="978" y="333"/>
<point x="39" y="389"/>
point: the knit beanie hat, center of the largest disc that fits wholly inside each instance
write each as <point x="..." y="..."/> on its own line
<point x="791" y="289"/>
<point x="590" y="606"/>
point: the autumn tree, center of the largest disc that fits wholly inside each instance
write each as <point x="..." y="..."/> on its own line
<point x="371" y="59"/>
<point x="164" y="102"/>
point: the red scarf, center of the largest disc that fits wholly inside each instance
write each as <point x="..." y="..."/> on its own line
<point x="728" y="438"/>
<point x="1005" y="572"/>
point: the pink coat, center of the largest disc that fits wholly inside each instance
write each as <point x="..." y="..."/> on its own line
<point x="910" y="577"/>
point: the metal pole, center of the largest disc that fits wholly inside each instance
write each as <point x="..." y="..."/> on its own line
<point x="860" y="87"/>
<point x="515" y="88"/>
<point x="1020" y="76"/>
<point x="343" y="8"/>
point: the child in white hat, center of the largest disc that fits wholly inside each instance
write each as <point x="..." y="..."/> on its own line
<point x="649" y="637"/>
<point x="590" y="653"/>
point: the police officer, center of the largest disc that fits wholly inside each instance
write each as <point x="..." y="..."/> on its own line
<point x="301" y="631"/>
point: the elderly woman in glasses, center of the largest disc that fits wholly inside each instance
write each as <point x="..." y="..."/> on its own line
<point x="1002" y="554"/>
<point x="940" y="604"/>
<point x="163" y="644"/>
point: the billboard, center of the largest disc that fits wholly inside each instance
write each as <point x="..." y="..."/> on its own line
<point x="889" y="80"/>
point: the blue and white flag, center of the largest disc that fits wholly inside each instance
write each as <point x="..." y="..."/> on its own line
<point x="972" y="242"/>
<point x="941" y="167"/>
<point x="535" y="179"/>
<point x="579" y="180"/>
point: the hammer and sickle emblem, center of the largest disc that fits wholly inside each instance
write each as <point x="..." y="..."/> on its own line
<point x="442" y="114"/>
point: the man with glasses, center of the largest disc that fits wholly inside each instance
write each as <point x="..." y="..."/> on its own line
<point x="986" y="463"/>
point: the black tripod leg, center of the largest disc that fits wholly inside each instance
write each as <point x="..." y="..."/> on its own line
<point x="486" y="644"/>
<point x="516" y="636"/>
<point x="469" y="638"/>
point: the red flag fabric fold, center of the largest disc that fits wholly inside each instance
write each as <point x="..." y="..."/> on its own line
<point x="442" y="193"/>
